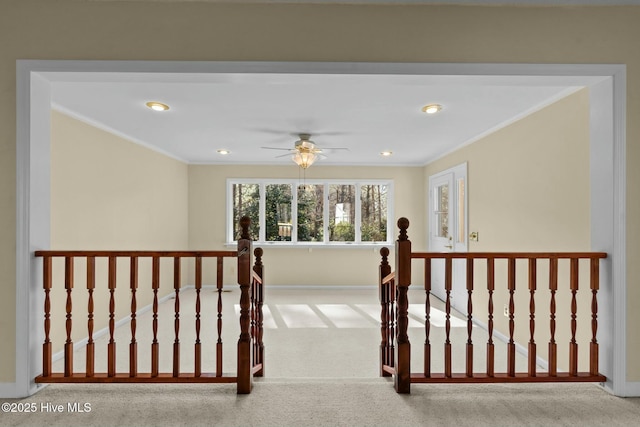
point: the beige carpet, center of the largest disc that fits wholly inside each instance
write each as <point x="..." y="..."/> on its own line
<point x="322" y="367"/>
<point x="332" y="403"/>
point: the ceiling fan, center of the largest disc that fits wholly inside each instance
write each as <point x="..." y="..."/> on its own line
<point x="305" y="152"/>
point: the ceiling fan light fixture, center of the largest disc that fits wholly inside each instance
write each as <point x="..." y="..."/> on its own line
<point x="157" y="106"/>
<point x="386" y="153"/>
<point x="223" y="152"/>
<point x="431" y="108"/>
<point x="304" y="159"/>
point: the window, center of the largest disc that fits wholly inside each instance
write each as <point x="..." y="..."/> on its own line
<point x="328" y="212"/>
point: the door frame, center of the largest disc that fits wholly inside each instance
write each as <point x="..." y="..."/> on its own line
<point x="458" y="293"/>
<point x="607" y="88"/>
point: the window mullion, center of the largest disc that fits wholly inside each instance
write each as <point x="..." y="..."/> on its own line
<point x="294" y="213"/>
<point x="325" y="213"/>
<point x="358" y="207"/>
<point x="263" y="221"/>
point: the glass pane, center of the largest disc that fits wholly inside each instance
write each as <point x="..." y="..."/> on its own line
<point x="278" y="213"/>
<point x="442" y="210"/>
<point x="460" y="212"/>
<point x="342" y="216"/>
<point x="373" y="202"/>
<point x="246" y="201"/>
<point x="310" y="213"/>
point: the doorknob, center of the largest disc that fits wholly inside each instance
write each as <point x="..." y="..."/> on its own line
<point x="450" y="245"/>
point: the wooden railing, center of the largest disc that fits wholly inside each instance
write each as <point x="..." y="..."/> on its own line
<point x="395" y="348"/>
<point x="250" y="348"/>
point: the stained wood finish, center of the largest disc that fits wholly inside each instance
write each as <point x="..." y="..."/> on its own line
<point x="553" y="287"/>
<point x="511" y="346"/>
<point x="46" y="347"/>
<point x="491" y="277"/>
<point x="111" y="346"/>
<point x="447" y="323"/>
<point x="198" y="348"/>
<point x="469" y="370"/>
<point x="250" y="344"/>
<point x="402" y="378"/>
<point x="427" y="317"/>
<point x="258" y="286"/>
<point x="532" y="317"/>
<point x="155" y="347"/>
<point x="244" y="358"/>
<point x="176" y="323"/>
<point x="133" y="346"/>
<point x="402" y="280"/>
<point x="383" y="295"/>
<point x="68" y="345"/>
<point x="219" y="286"/>
<point x="91" y="284"/>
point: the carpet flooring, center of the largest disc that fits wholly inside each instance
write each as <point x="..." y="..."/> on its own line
<point x="321" y="370"/>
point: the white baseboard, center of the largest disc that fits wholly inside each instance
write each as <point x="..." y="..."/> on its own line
<point x="104" y="331"/>
<point x="632" y="389"/>
<point x="10" y="390"/>
<point x="321" y="287"/>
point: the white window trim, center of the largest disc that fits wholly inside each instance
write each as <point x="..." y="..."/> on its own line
<point x="263" y="182"/>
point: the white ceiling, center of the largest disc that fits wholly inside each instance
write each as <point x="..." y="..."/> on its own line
<point x="243" y="112"/>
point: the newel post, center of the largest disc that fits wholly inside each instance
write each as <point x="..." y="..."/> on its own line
<point x="402" y="380"/>
<point x="245" y="254"/>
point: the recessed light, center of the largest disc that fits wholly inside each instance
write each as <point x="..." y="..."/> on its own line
<point x="223" y="152"/>
<point x="431" y="108"/>
<point x="386" y="153"/>
<point x="157" y="106"/>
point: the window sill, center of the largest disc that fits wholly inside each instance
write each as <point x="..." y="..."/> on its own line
<point x="335" y="245"/>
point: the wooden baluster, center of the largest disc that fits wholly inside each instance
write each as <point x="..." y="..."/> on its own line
<point x="91" y="284"/>
<point x="427" y="317"/>
<point x="447" y="324"/>
<point x="68" y="346"/>
<point x="511" y="346"/>
<point x="392" y="316"/>
<point x="155" y="284"/>
<point x="490" y="288"/>
<point x="46" y="347"/>
<point x="469" y="317"/>
<point x="259" y="270"/>
<point x="197" y="349"/>
<point x="252" y="320"/>
<point x="219" y="284"/>
<point x="402" y="379"/>
<point x="595" y="286"/>
<point x="573" y="345"/>
<point x="111" y="347"/>
<point x="553" y="287"/>
<point x="245" y="377"/>
<point x="532" y="316"/>
<point x="133" y="346"/>
<point x="383" y="294"/>
<point x="176" y="323"/>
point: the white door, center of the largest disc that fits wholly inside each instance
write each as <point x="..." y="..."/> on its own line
<point x="448" y="230"/>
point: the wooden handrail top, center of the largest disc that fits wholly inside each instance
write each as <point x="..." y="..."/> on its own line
<point x="509" y="255"/>
<point x="256" y="277"/>
<point x="142" y="254"/>
<point x="389" y="278"/>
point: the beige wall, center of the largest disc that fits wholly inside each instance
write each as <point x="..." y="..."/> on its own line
<point x="108" y="193"/>
<point x="71" y="29"/>
<point x="291" y="266"/>
<point x="529" y="190"/>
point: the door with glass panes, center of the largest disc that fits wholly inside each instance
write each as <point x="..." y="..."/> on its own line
<point x="448" y="230"/>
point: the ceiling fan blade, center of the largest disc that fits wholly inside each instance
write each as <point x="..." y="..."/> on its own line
<point x="275" y="148"/>
<point x="333" y="149"/>
<point x="283" y="155"/>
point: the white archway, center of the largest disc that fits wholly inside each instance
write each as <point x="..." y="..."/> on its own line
<point x="607" y="84"/>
